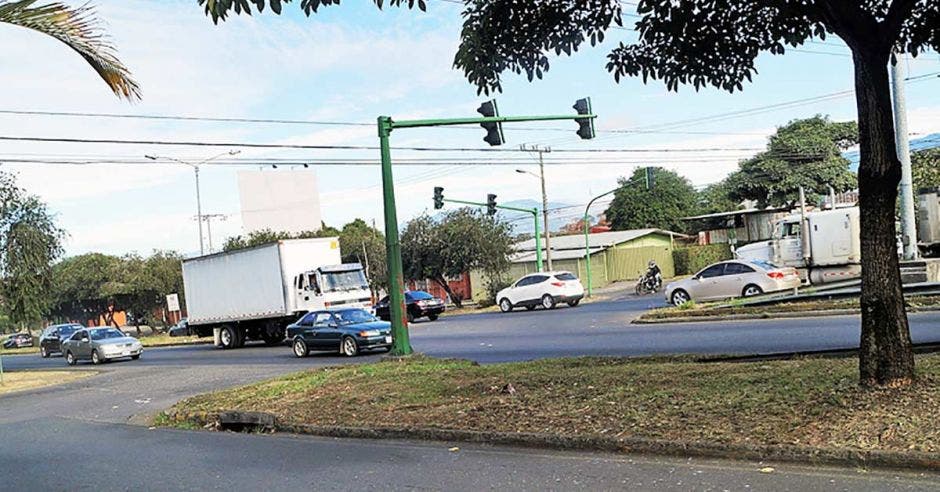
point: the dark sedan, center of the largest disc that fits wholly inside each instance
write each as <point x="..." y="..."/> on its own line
<point x="181" y="329"/>
<point x="418" y="304"/>
<point x="50" y="342"/>
<point x="347" y="330"/>
<point x="18" y="340"/>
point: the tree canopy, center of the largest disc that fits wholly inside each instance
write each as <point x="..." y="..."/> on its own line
<point x="265" y="236"/>
<point x="805" y="153"/>
<point x="671" y="198"/>
<point x="361" y="243"/>
<point x="925" y="168"/>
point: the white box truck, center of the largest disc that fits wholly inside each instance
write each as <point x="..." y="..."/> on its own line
<point x="254" y="293"/>
<point x="825" y="245"/>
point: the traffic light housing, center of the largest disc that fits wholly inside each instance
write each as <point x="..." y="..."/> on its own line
<point x="585" y="125"/>
<point x="438" y="198"/>
<point x="650" y="178"/>
<point x="494" y="130"/>
<point x="491" y="204"/>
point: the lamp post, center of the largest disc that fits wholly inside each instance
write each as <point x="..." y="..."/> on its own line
<point x="195" y="166"/>
<point x="541" y="177"/>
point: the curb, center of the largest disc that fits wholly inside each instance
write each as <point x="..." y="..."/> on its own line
<point x="781" y="315"/>
<point x="776" y="453"/>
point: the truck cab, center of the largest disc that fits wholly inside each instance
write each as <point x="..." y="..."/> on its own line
<point x="332" y="286"/>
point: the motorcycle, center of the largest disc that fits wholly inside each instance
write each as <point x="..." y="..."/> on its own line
<point x="649" y="284"/>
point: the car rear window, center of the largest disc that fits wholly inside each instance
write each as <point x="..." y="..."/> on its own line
<point x="566" y="276"/>
<point x="420" y="295"/>
<point x="763" y="264"/>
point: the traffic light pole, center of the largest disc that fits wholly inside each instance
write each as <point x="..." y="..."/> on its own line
<point x="396" y="282"/>
<point x="535" y="217"/>
<point x="587" y="242"/>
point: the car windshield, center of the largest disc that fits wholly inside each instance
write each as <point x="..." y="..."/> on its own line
<point x="105" y="333"/>
<point x="353" y="316"/>
<point x="344" y="281"/>
<point x="763" y="264"/>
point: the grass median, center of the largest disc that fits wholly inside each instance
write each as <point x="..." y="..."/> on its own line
<point x="806" y="402"/>
<point x="721" y="309"/>
<point x="26" y="380"/>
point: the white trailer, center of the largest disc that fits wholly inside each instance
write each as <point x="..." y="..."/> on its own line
<point x="825" y="246"/>
<point x="254" y="293"/>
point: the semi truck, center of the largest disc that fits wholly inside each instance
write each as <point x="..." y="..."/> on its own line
<point x="254" y="293"/>
<point x="824" y="246"/>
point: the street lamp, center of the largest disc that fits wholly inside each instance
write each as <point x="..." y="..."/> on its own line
<point x="541" y="177"/>
<point x="195" y="166"/>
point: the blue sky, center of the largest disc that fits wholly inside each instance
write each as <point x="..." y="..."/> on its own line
<point x="353" y="63"/>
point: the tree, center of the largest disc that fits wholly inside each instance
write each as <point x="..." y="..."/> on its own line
<point x="79" y="29"/>
<point x="361" y="243"/>
<point x="86" y="288"/>
<point x="716" y="198"/>
<point x="461" y="241"/>
<point x="662" y="206"/>
<point x="145" y="283"/>
<point x="716" y="42"/>
<point x="30" y="242"/>
<point x="266" y="236"/>
<point x="805" y="153"/>
<point x="925" y="168"/>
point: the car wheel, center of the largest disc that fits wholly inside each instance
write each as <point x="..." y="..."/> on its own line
<point x="752" y="290"/>
<point x="548" y="302"/>
<point x="505" y="306"/>
<point x="679" y="297"/>
<point x="43" y="352"/>
<point x="433" y="317"/>
<point x="135" y="357"/>
<point x="95" y="358"/>
<point x="228" y="337"/>
<point x="348" y="347"/>
<point x="300" y="349"/>
<point x="411" y="317"/>
<point x="70" y="359"/>
<point x="574" y="302"/>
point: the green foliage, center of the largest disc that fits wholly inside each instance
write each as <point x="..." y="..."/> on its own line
<point x="267" y="236"/>
<point x="362" y="243"/>
<point x="805" y="153"/>
<point x="925" y="167"/>
<point x="30" y="242"/>
<point x="663" y="206"/>
<point x="462" y="240"/>
<point x="716" y="198"/>
<point x="690" y="259"/>
<point x="220" y="9"/>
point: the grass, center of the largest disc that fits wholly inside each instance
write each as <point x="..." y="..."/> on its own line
<point x="25" y="380"/>
<point x="810" y="402"/>
<point x="691" y="309"/>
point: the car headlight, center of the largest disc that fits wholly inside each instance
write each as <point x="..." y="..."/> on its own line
<point x="369" y="333"/>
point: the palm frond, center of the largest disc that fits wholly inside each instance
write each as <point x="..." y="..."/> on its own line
<point x="80" y="29"/>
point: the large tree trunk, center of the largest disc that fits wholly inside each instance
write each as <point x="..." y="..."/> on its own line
<point x="454" y="298"/>
<point x="885" y="355"/>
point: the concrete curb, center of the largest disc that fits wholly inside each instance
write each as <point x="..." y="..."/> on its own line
<point x="782" y="315"/>
<point x="776" y="453"/>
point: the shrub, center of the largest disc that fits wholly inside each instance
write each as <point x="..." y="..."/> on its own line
<point x="691" y="259"/>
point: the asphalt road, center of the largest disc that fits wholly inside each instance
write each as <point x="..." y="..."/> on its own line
<point x="78" y="436"/>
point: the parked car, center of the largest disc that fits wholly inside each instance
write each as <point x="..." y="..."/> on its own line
<point x="18" y="340"/>
<point x="349" y="331"/>
<point x="545" y="289"/>
<point x="736" y="278"/>
<point x="181" y="329"/>
<point x="100" y="345"/>
<point x="50" y="342"/>
<point x="418" y="304"/>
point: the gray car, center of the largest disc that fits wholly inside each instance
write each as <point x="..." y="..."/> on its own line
<point x="100" y="345"/>
<point x="736" y="278"/>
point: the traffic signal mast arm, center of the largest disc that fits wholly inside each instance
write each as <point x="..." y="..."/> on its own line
<point x="476" y="121"/>
<point x="535" y="216"/>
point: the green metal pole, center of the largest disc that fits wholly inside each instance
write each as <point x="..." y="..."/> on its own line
<point x="396" y="281"/>
<point x="538" y="240"/>
<point x="587" y="252"/>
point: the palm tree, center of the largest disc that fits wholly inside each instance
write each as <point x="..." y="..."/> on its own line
<point x="80" y="29"/>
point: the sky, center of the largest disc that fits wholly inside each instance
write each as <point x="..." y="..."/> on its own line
<point x="353" y="63"/>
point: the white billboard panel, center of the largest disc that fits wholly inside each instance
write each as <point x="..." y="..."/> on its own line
<point x="279" y="200"/>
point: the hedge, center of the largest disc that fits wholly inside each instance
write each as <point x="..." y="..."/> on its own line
<point x="691" y="259"/>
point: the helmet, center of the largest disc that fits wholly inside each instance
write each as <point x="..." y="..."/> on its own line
<point x="651" y="264"/>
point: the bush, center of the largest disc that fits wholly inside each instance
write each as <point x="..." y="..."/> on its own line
<point x="691" y="259"/>
<point x="494" y="284"/>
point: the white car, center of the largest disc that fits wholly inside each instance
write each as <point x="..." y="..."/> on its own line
<point x="544" y="289"/>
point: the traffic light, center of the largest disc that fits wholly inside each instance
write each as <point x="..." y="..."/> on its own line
<point x="491" y="204"/>
<point x="586" y="125"/>
<point x="650" y="178"/>
<point x="494" y="131"/>
<point x="438" y="198"/>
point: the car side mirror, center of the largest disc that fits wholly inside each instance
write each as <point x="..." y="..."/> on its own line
<point x="697" y="278"/>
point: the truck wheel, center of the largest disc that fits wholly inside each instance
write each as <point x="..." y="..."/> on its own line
<point x="348" y="347"/>
<point x="300" y="349"/>
<point x="228" y="337"/>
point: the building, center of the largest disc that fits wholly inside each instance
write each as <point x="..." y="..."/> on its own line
<point x="737" y="227"/>
<point x="615" y="256"/>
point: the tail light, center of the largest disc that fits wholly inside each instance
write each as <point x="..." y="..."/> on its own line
<point x="327" y="304"/>
<point x="558" y="284"/>
<point x="775" y="275"/>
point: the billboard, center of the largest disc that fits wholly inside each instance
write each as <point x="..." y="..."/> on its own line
<point x="279" y="200"/>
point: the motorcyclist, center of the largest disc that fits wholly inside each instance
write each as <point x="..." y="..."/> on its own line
<point x="653" y="274"/>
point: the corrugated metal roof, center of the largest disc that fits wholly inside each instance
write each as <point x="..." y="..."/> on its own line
<point x="601" y="240"/>
<point x="567" y="254"/>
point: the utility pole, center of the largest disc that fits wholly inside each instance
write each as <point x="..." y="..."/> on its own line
<point x="195" y="166"/>
<point x="541" y="176"/>
<point x="207" y="218"/>
<point x="906" y="189"/>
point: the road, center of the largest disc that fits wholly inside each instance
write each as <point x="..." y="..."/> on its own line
<point x="79" y="435"/>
